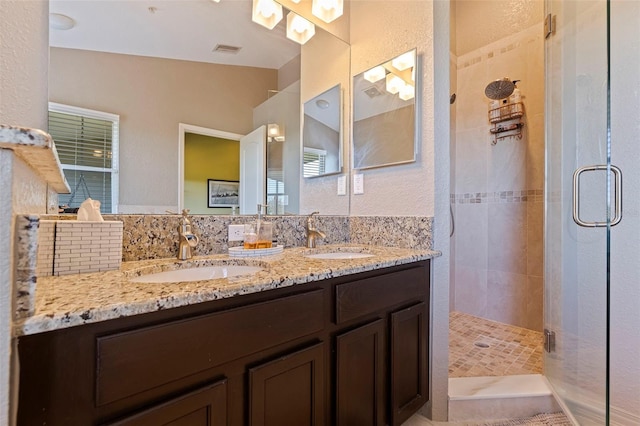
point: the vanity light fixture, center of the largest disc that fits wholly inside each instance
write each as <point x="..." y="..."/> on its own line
<point x="266" y="13"/>
<point x="299" y="29"/>
<point x="273" y="130"/>
<point x="407" y="92"/>
<point x="375" y="74"/>
<point x="394" y="83"/>
<point x="403" y="61"/>
<point x="327" y="10"/>
<point x="61" y="22"/>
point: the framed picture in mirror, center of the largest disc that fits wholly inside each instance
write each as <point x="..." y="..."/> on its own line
<point x="384" y="113"/>
<point x="222" y="193"/>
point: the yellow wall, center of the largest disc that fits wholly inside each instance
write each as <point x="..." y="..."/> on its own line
<point x="208" y="158"/>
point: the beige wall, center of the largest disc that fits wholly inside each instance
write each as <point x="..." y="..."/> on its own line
<point x="289" y="73"/>
<point x="480" y="22"/>
<point x="498" y="259"/>
<point x="409" y="188"/>
<point x="23" y="93"/>
<point x="152" y="96"/>
<point x="388" y="137"/>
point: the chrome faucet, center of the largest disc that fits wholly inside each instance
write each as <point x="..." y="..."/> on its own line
<point x="187" y="239"/>
<point x="312" y="232"/>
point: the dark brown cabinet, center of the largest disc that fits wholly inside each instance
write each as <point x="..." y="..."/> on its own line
<point x="203" y="407"/>
<point x="351" y="350"/>
<point x="409" y="362"/>
<point x="360" y="376"/>
<point x="289" y="390"/>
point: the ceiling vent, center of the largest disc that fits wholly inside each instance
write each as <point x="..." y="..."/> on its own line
<point x="225" y="48"/>
<point x="372" y="91"/>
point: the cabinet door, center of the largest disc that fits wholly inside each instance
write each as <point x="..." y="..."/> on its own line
<point x="289" y="390"/>
<point x="409" y="361"/>
<point x="206" y="406"/>
<point x="360" y="376"/>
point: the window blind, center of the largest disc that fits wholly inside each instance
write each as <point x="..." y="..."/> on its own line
<point x="86" y="146"/>
<point x="313" y="162"/>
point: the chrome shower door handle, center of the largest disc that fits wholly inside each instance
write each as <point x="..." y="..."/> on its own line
<point x="617" y="188"/>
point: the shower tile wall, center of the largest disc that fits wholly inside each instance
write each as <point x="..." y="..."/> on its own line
<point x="497" y="189"/>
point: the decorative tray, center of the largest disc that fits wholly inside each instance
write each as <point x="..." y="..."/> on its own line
<point x="243" y="252"/>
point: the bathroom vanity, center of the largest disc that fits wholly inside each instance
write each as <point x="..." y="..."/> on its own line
<point x="346" y="346"/>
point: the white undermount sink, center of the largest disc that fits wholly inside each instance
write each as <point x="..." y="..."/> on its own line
<point x="337" y="255"/>
<point x="201" y="273"/>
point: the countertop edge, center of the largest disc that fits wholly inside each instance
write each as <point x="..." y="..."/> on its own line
<point x="39" y="323"/>
<point x="37" y="149"/>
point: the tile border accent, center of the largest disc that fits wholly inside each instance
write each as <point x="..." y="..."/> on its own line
<point x="524" y="196"/>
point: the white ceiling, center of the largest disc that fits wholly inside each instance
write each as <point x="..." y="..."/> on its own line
<point x="177" y="29"/>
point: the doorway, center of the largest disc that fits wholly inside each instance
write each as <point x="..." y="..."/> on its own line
<point x="196" y="188"/>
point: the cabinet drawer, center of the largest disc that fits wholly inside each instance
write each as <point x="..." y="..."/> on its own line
<point x="138" y="360"/>
<point x="370" y="295"/>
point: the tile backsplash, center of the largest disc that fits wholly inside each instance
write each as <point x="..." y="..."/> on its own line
<point x="141" y="237"/>
<point x="72" y="247"/>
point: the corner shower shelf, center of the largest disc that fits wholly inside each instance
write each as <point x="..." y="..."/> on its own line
<point x="507" y="112"/>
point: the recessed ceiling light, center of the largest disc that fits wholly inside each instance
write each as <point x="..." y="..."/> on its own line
<point x="323" y="103"/>
<point x="60" y="21"/>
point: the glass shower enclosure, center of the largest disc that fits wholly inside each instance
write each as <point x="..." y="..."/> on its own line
<point x="592" y="231"/>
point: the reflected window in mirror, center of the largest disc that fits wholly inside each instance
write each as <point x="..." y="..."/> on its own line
<point x="321" y="135"/>
<point x="384" y="113"/>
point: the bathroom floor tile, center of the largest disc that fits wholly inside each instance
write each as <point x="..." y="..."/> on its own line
<point x="480" y="347"/>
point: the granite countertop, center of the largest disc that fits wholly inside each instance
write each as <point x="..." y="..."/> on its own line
<point x="71" y="300"/>
<point x="38" y="150"/>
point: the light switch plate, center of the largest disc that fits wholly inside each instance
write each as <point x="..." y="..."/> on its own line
<point x="358" y="184"/>
<point x="342" y="185"/>
<point x="236" y="232"/>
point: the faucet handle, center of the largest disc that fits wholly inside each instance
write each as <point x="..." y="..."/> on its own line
<point x="310" y="218"/>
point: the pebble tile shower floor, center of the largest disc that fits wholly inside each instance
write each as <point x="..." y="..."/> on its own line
<point x="480" y="347"/>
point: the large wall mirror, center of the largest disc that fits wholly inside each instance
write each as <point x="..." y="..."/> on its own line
<point x="205" y="64"/>
<point x="384" y="113"/>
<point x="322" y="134"/>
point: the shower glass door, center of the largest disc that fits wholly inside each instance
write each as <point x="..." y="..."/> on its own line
<point x="577" y="256"/>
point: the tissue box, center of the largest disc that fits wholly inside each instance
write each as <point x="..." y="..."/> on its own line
<point x="74" y="247"/>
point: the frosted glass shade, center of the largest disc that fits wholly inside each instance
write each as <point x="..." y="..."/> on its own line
<point x="299" y="29"/>
<point x="375" y="74"/>
<point x="266" y="13"/>
<point x="327" y="10"/>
